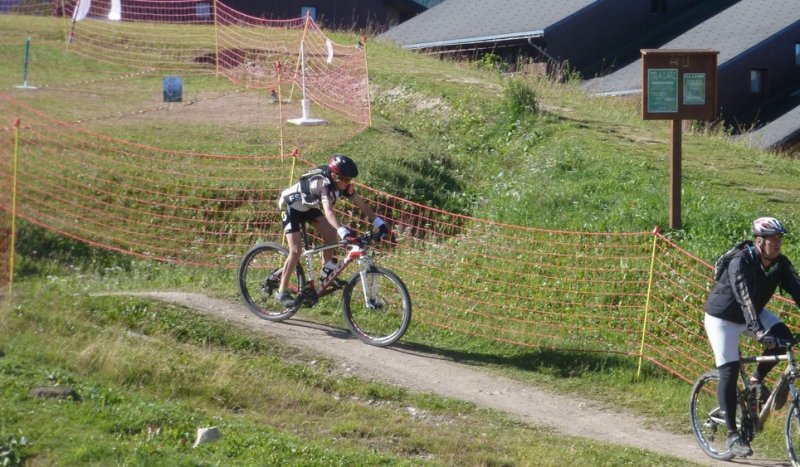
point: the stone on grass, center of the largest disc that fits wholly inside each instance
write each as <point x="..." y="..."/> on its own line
<point x="207" y="435"/>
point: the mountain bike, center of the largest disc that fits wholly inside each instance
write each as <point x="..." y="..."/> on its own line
<point x="375" y="302"/>
<point x="708" y="421"/>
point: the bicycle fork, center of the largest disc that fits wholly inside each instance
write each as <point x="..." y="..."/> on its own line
<point x="369" y="284"/>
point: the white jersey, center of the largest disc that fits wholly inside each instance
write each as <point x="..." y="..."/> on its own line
<point x="318" y="187"/>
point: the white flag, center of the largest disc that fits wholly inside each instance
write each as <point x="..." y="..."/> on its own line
<point x="81" y="10"/>
<point x="116" y="10"/>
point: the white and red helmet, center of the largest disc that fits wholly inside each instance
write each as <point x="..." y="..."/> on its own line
<point x="767" y="226"/>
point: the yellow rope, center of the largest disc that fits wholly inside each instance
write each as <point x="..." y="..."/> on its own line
<point x="647" y="302"/>
<point x="13" y="207"/>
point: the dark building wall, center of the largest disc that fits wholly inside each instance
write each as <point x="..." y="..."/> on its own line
<point x="777" y="57"/>
<point x="342" y="14"/>
<point x="606" y="27"/>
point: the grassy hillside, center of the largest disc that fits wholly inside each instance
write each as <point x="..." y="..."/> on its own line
<point x="579" y="163"/>
<point x="518" y="150"/>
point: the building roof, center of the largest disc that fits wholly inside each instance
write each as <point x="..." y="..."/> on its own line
<point x="457" y="22"/>
<point x="731" y="32"/>
<point x="778" y="133"/>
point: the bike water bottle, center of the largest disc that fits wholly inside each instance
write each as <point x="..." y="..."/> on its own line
<point x="328" y="268"/>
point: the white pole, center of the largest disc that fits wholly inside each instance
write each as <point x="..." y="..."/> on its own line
<point x="303" y="77"/>
<point x="306" y="119"/>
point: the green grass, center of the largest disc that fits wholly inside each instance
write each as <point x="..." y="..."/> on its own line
<point x="443" y="133"/>
<point x="150" y="374"/>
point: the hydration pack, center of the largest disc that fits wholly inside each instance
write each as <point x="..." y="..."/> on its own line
<point x="721" y="265"/>
<point x="305" y="180"/>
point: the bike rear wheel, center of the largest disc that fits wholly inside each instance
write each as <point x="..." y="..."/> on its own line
<point x="379" y="311"/>
<point x="793" y="433"/>
<point x="259" y="278"/>
<point x="707" y="419"/>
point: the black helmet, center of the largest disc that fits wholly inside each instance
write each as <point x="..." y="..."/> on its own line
<point x="343" y="166"/>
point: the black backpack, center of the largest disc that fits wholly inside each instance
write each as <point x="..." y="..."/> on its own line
<point x="320" y="171"/>
<point x="722" y="262"/>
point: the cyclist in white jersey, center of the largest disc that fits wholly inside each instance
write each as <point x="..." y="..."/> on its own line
<point x="311" y="200"/>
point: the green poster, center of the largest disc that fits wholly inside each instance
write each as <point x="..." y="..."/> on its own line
<point x="694" y="88"/>
<point x="662" y="90"/>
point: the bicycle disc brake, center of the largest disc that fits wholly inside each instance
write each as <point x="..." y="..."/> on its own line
<point x="272" y="282"/>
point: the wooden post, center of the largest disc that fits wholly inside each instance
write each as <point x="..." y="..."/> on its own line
<point x="678" y="85"/>
<point x="675" y="177"/>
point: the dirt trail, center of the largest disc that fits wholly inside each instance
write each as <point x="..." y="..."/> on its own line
<point x="433" y="373"/>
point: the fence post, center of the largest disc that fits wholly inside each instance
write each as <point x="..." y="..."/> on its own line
<point x="216" y="39"/>
<point x="25" y="66"/>
<point x="656" y="231"/>
<point x="12" y="248"/>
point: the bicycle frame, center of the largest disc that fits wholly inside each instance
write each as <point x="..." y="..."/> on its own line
<point x="355" y="252"/>
<point x="380" y="319"/>
<point x="788" y="377"/>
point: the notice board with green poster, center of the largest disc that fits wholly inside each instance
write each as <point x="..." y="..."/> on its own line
<point x="679" y="84"/>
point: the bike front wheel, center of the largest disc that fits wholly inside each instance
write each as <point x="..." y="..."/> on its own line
<point x="707" y="418"/>
<point x="377" y="306"/>
<point x="259" y="278"/>
<point x="793" y="433"/>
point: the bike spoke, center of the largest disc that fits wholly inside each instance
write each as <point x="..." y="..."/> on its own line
<point x="707" y="419"/>
<point x="379" y="311"/>
<point x="259" y="280"/>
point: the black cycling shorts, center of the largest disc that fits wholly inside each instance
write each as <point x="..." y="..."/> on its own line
<point x="291" y="218"/>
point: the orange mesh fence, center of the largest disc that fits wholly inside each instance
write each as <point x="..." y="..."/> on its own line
<point x="675" y="338"/>
<point x="635" y="294"/>
<point x="522" y="286"/>
<point x="207" y="38"/>
<point x="174" y="206"/>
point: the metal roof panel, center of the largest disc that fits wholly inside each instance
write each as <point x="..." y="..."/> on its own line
<point x="731" y="32"/>
<point x="457" y="21"/>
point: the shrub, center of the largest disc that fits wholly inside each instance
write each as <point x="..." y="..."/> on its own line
<point x="519" y="99"/>
<point x="492" y="62"/>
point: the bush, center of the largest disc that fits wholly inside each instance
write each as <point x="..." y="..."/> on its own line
<point x="519" y="99"/>
<point x="492" y="62"/>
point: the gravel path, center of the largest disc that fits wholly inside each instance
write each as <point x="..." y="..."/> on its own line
<point x="427" y="372"/>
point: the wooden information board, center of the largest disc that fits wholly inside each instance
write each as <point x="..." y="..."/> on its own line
<point x="678" y="84"/>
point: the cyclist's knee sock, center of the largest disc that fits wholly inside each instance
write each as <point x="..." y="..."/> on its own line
<point x="726" y="392"/>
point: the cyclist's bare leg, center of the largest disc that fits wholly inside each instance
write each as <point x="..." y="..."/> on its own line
<point x="327" y="232"/>
<point x="295" y="245"/>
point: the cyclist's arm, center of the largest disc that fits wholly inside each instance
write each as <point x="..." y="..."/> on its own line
<point x="362" y="205"/>
<point x="327" y="209"/>
<point x="742" y="286"/>
<point x="790" y="280"/>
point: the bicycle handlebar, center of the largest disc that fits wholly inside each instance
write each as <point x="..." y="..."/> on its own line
<point x="362" y="240"/>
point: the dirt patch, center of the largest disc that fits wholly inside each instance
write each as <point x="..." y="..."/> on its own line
<point x="242" y="108"/>
<point x="429" y="372"/>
